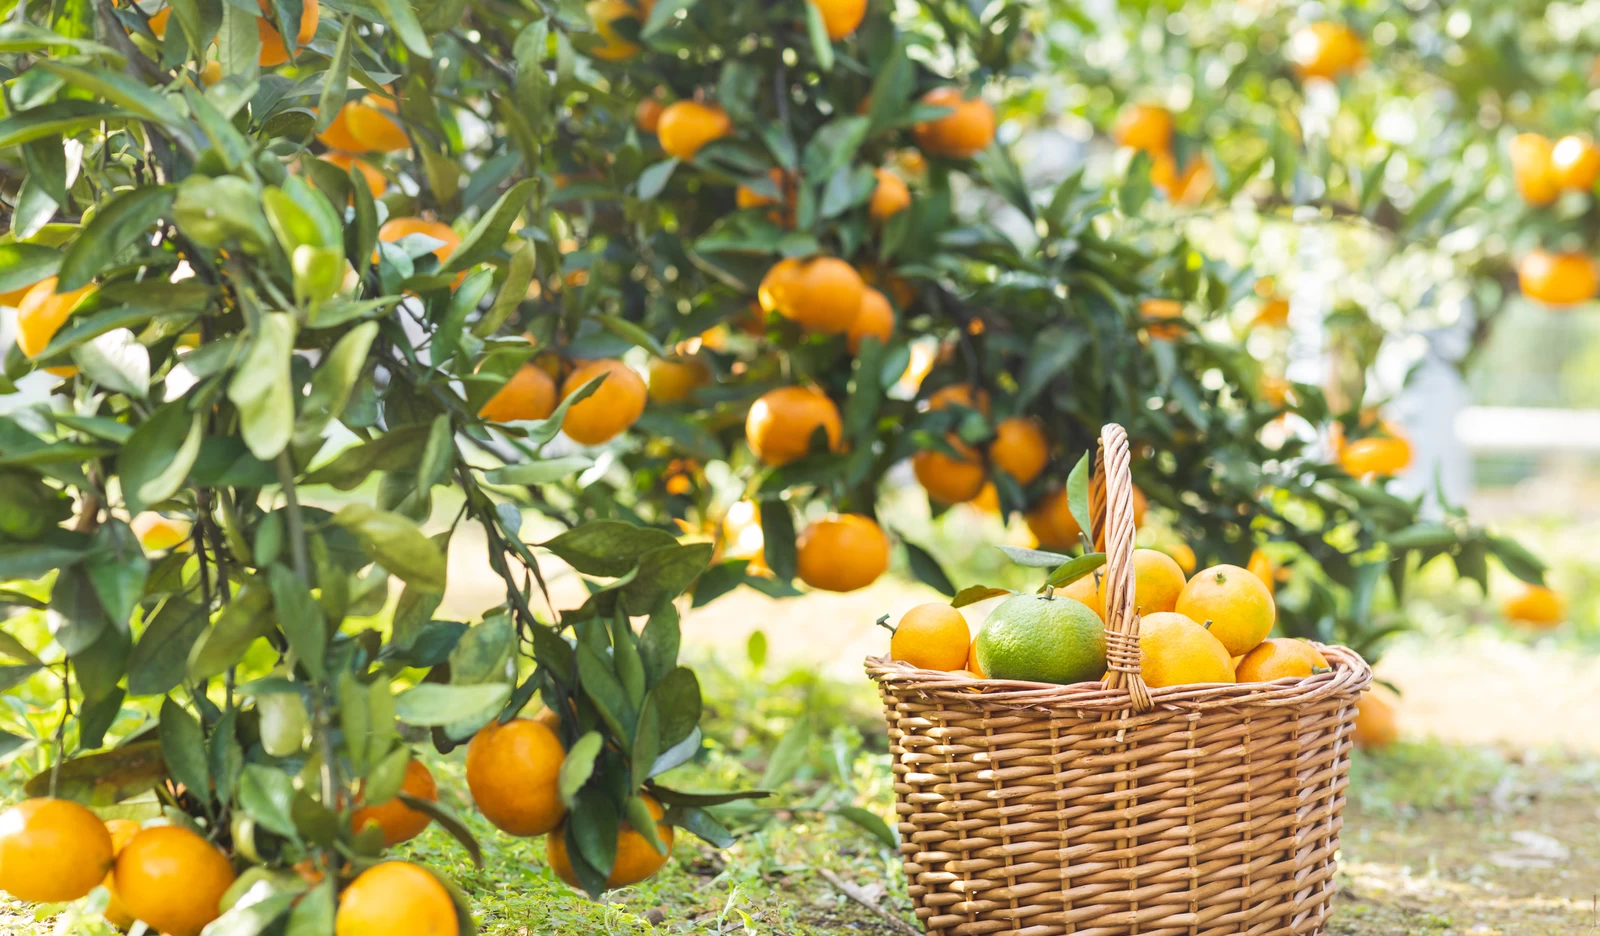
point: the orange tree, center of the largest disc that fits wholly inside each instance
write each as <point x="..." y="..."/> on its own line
<point x="445" y="235"/>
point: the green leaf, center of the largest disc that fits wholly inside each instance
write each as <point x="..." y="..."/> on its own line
<point x="1034" y="558"/>
<point x="25" y="264"/>
<point x="489" y="234"/>
<point x="261" y="388"/>
<point x="62" y="118"/>
<point x="354" y="464"/>
<point x="662" y="15"/>
<point x="266" y="794"/>
<point x="430" y="704"/>
<point x="448" y="821"/>
<point x="183" y="747"/>
<point x="541" y="431"/>
<point x="155" y="462"/>
<point x="777" y="538"/>
<point x="160" y="658"/>
<point x="579" y="765"/>
<point x="873" y="824"/>
<point x="664" y="573"/>
<point x="400" y="16"/>
<point x="601" y="686"/>
<point x="335" y="80"/>
<point x="607" y="547"/>
<point x="640" y="818"/>
<point x="116" y="361"/>
<point x="677" y="701"/>
<point x="118" y="89"/>
<point x="1517" y="559"/>
<point x="702" y="824"/>
<point x="817" y="31"/>
<point x="927" y="569"/>
<point x="300" y="619"/>
<point x="789" y="755"/>
<point x="1422" y="535"/>
<point x="630" y="333"/>
<point x="245" y="619"/>
<point x="335" y="377"/>
<point x="1074" y="569"/>
<point x="314" y="914"/>
<point x="396" y="544"/>
<point x="117" y="569"/>
<point x="653" y="180"/>
<point x="12" y="676"/>
<point x="519" y="273"/>
<point x="108" y="777"/>
<point x="1078" y="494"/>
<point x="973" y="594"/>
<point x="543" y="471"/>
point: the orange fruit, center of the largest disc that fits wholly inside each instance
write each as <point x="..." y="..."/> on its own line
<point x="1280" y="658"/>
<point x="647" y="115"/>
<point x="897" y="286"/>
<point x="972" y="665"/>
<point x="511" y="774"/>
<point x="368" y="123"/>
<point x="932" y="636"/>
<point x="685" y="126"/>
<point x="396" y="897"/>
<point x="1565" y="278"/>
<point x="1236" y="603"/>
<point x="746" y="197"/>
<point x="1375" y="455"/>
<point x="1020" y="448"/>
<point x="610" y="410"/>
<point x="961" y="395"/>
<point x="157" y="533"/>
<point x="1325" y="50"/>
<point x="529" y="394"/>
<point x="377" y="182"/>
<point x="273" y="51"/>
<point x="172" y="879"/>
<point x="636" y="858"/>
<point x="52" y="850"/>
<point x="399" y="822"/>
<point x="1183" y="554"/>
<point x="1052" y="522"/>
<point x="1157" y="582"/>
<point x="842" y="552"/>
<point x="210" y="73"/>
<point x="1535" y="606"/>
<point x="776" y="285"/>
<point x="41" y="313"/>
<point x="122" y="830"/>
<point x="988" y="499"/>
<point x="1532" y="170"/>
<point x="1260" y="565"/>
<point x="1187" y="188"/>
<point x="822" y="294"/>
<point x="1145" y="127"/>
<point x="890" y="197"/>
<point x="950" y="479"/>
<point x="673" y="379"/>
<point x="396" y="228"/>
<point x="781" y="423"/>
<point x="14" y="297"/>
<point x="1140" y="505"/>
<point x="1176" y="651"/>
<point x="1575" y="163"/>
<point x="841" y="17"/>
<point x="547" y="717"/>
<point x="605" y="14"/>
<point x="1086" y="590"/>
<point x="337" y="134"/>
<point x="741" y="535"/>
<point x="875" y="318"/>
<point x="1156" y="313"/>
<point x="158" y="22"/>
<point x="965" y="132"/>
<point x="1375" y="720"/>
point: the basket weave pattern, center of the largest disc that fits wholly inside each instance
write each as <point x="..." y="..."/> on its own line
<point x="1108" y="809"/>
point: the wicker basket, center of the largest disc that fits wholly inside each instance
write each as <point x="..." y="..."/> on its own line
<point x="1102" y="809"/>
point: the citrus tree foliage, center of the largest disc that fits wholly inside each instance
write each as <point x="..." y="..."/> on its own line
<point x="231" y="283"/>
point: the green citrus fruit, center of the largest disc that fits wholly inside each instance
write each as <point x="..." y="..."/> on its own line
<point x="1040" y="639"/>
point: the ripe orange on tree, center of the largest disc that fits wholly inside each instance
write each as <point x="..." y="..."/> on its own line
<point x="1375" y="720"/>
<point x="961" y="395"/>
<point x="1280" y="658"/>
<point x="889" y="197"/>
<point x="395" y="897"/>
<point x="647" y="115"/>
<point x="41" y="313"/>
<point x="1557" y="278"/>
<point x="875" y="318"/>
<point x="1575" y="163"/>
<point x="273" y="51"/>
<point x="1325" y="50"/>
<point x="1535" y="606"/>
<point x="1146" y="127"/>
<point x="1375" y="455"/>
<point x="782" y="421"/>
<point x="685" y="126"/>
<point x="1260" y="565"/>
<point x="365" y="125"/>
<point x="961" y="134"/>
<point x="950" y="479"/>
<point x="1236" y="603"/>
<point x="1189" y="187"/>
<point x="673" y="379"/>
<point x="397" y="228"/>
<point x="377" y="182"/>
<point x="840" y="17"/>
<point x="1532" y="156"/>
<point x="157" y="533"/>
<point x="52" y="850"/>
<point x="1052" y="522"/>
<point x="1158" y="314"/>
<point x="1020" y="448"/>
<point x="822" y="294"/>
<point x="931" y="636"/>
<point x="529" y="394"/>
<point x="511" y="774"/>
<point x="122" y="831"/>
<point x="605" y="14"/>
<point x="842" y="552"/>
<point x="13" y="297"/>
<point x="636" y="860"/>
<point x="1174" y="650"/>
<point x="746" y="197"/>
<point x="399" y="822"/>
<point x="172" y="879"/>
<point x="610" y="410"/>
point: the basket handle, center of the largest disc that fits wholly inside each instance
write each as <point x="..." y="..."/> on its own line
<point x="1111" y="515"/>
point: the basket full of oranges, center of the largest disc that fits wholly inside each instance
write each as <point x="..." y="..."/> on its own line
<point x="1124" y="752"/>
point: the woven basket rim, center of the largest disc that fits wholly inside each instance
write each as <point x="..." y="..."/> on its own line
<point x="1348" y="677"/>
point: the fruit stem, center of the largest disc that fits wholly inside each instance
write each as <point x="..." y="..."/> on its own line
<point x="883" y="622"/>
<point x="1207" y="624"/>
<point x="1049" y="592"/>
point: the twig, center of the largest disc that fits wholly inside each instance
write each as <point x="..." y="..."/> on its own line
<point x="61" y="729"/>
<point x="859" y="896"/>
<point x="291" y="509"/>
